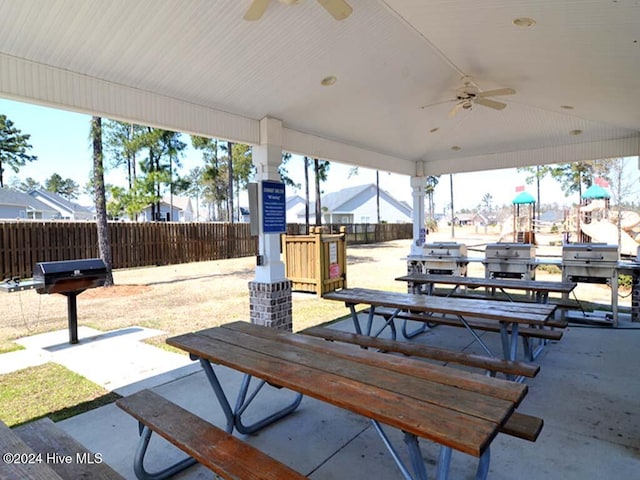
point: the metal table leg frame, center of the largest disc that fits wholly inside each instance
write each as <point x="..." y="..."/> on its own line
<point x="356" y="321"/>
<point x="234" y="417"/>
<point x="444" y="464"/>
<point x="414" y="333"/>
<point x="138" y="459"/>
<point x="483" y="465"/>
<point x="389" y="322"/>
<point x="532" y="348"/>
<point x="475" y="336"/>
<point x="510" y="346"/>
<point x="414" y="453"/>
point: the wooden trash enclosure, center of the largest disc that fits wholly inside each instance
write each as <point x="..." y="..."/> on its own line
<point x="316" y="263"/>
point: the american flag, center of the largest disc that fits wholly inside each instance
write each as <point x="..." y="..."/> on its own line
<point x="520" y="188"/>
<point x="601" y="182"/>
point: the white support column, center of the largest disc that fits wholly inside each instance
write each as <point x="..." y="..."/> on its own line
<point x="267" y="158"/>
<point x="419" y="229"/>
<point x="270" y="293"/>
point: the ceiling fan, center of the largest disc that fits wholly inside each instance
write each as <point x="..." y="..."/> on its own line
<point x="339" y="9"/>
<point x="470" y="95"/>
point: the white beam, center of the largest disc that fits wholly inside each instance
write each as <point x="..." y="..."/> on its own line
<point x="332" y="150"/>
<point x="32" y="82"/>
<point x="622" y="147"/>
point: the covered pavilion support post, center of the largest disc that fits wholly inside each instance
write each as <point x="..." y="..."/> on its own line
<point x="270" y="297"/>
<point x="414" y="261"/>
<point x="419" y="228"/>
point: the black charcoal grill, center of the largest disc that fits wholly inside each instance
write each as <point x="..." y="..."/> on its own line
<point x="69" y="278"/>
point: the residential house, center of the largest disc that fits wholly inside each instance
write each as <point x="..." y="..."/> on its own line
<point x="477" y="219"/>
<point x="358" y="205"/>
<point x="176" y="209"/>
<point x="67" y="210"/>
<point x="245" y="216"/>
<point x="293" y="205"/>
<point x="18" y="205"/>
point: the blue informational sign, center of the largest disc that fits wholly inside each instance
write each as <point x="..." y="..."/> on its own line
<point x="274" y="212"/>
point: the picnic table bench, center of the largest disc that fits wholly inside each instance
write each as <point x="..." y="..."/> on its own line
<point x="42" y="451"/>
<point x="224" y="454"/>
<point x="492" y="365"/>
<point x="457" y="409"/>
<point x="473" y="314"/>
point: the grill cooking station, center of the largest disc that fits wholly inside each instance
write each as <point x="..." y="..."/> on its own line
<point x="447" y="258"/>
<point x="69" y="278"/>
<point x="592" y="263"/>
<point x="510" y="260"/>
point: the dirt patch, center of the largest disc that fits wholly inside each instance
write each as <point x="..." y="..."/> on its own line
<point x="116" y="291"/>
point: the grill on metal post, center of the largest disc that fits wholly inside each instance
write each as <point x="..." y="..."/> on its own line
<point x="69" y="278"/>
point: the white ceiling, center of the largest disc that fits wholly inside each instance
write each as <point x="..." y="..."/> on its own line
<point x="196" y="66"/>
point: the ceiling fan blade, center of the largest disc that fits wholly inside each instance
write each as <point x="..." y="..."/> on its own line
<point x="456" y="108"/>
<point x="339" y="9"/>
<point x="437" y="103"/>
<point x="496" y="93"/>
<point x="490" y="103"/>
<point x="256" y="10"/>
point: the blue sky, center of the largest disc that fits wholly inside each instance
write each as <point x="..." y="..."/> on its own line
<point x="60" y="139"/>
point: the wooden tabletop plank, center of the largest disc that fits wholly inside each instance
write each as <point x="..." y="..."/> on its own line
<point x="519" y="312"/>
<point x="462" y="432"/>
<point x="454" y="398"/>
<point x="495" y="387"/>
<point x="26" y="467"/>
<point x="477" y="282"/>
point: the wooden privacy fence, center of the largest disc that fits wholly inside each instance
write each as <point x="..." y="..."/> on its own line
<point x="316" y="263"/>
<point x="24" y="243"/>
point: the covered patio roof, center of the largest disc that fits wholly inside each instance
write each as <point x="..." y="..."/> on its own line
<point x="198" y="67"/>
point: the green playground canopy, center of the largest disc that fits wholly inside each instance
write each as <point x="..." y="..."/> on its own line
<point x="595" y="191"/>
<point x="523" y="197"/>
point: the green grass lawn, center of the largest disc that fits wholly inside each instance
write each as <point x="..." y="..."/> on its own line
<point x="48" y="390"/>
<point x="6" y="347"/>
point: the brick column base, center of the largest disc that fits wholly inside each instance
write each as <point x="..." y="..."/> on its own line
<point x="270" y="304"/>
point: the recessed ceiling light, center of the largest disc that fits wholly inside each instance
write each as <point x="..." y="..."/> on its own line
<point x="434" y="130"/>
<point x="524" y="22"/>
<point x="455" y="148"/>
<point x="567" y="107"/>
<point x="328" y="81"/>
<point x="575" y="132"/>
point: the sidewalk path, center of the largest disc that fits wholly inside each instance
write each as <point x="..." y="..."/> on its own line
<point x="117" y="360"/>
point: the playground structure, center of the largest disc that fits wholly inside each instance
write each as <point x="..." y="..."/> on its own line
<point x="593" y="221"/>
<point x="524" y="218"/>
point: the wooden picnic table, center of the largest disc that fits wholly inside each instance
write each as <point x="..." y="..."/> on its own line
<point x="541" y="289"/>
<point x="457" y="409"/>
<point x="509" y="316"/>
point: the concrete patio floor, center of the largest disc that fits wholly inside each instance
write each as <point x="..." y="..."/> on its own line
<point x="587" y="392"/>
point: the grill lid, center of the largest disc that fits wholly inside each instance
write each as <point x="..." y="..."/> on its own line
<point x="589" y="254"/>
<point x="69" y="275"/>
<point x="445" y="250"/>
<point x="510" y="251"/>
